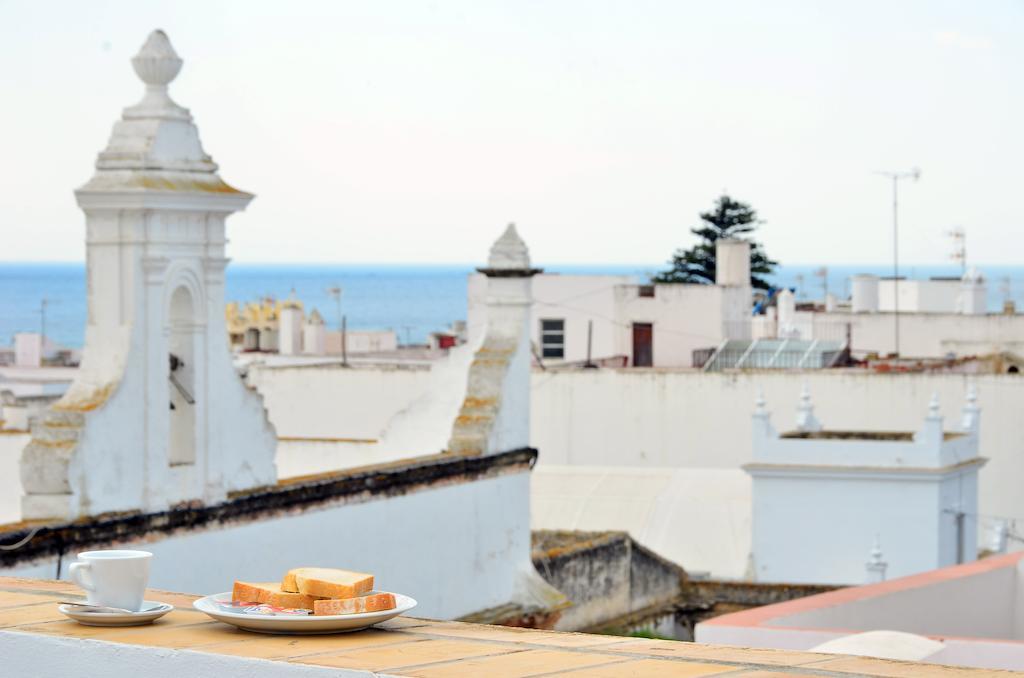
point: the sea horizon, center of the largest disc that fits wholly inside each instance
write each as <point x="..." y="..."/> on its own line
<point x="411" y="299"/>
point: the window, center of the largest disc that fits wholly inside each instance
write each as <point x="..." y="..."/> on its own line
<point x="647" y="291"/>
<point x="552" y="338"/>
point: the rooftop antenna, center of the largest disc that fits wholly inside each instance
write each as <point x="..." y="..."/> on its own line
<point x="915" y="175"/>
<point x="335" y="293"/>
<point x="42" y="322"/>
<point x="959" y="252"/>
<point x="823" y="274"/>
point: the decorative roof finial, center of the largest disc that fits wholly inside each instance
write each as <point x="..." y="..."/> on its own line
<point x="509" y="252"/>
<point x="971" y="413"/>
<point x="157" y="64"/>
<point x="805" y="419"/>
<point x="760" y="406"/>
<point x="876" y="566"/>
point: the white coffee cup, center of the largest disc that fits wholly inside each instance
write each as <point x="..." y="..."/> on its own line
<point x="114" y="578"/>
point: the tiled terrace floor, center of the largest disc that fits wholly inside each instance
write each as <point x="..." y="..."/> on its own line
<point x="418" y="647"/>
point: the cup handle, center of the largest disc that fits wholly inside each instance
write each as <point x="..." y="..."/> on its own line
<point x="77" y="572"/>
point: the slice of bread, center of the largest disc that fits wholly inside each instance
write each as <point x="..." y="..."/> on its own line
<point x="373" y="602"/>
<point x="324" y="582"/>
<point x="271" y="594"/>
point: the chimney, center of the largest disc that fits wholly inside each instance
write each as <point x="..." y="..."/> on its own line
<point x="732" y="262"/>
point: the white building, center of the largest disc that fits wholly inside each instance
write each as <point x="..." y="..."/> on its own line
<point x="966" y="294"/>
<point x="614" y="320"/>
<point x="822" y="497"/>
<point x="937" y="318"/>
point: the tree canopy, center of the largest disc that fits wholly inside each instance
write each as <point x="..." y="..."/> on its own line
<point x="728" y="218"/>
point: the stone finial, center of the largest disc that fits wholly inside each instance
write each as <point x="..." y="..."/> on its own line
<point x="760" y="405"/>
<point x="509" y="252"/>
<point x="761" y="429"/>
<point x="876" y="566"/>
<point x="805" y="419"/>
<point x="157" y="64"/>
<point x="933" y="407"/>
<point x="999" y="536"/>
<point x="971" y="413"/>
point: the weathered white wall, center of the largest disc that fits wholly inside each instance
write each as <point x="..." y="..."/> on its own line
<point x="330" y="401"/>
<point x="672" y="418"/>
<point x="11" y="445"/>
<point x="652" y="418"/>
<point x="457" y="548"/>
<point x="922" y="335"/>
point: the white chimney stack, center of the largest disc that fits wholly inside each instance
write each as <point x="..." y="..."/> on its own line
<point x="732" y="262"/>
<point x="864" y="294"/>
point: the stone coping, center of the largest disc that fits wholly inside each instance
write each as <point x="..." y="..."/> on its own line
<point x="348" y="486"/>
<point x="30" y="622"/>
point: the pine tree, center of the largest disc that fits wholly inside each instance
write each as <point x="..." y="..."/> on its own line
<point x="728" y="219"/>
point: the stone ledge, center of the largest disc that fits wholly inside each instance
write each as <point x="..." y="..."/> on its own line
<point x="35" y="639"/>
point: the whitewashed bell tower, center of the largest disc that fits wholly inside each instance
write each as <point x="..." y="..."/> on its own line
<point x="157" y="415"/>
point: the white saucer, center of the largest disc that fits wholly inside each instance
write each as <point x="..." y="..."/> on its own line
<point x="84" y="616"/>
<point x="300" y="624"/>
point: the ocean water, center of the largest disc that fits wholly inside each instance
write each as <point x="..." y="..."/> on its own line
<point x="412" y="300"/>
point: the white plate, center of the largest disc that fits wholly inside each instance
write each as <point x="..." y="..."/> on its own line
<point x="283" y="623"/>
<point x="84" y="616"/>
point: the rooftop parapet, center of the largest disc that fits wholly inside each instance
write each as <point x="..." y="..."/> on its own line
<point x="930" y="447"/>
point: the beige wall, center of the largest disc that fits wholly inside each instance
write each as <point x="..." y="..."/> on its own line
<point x="681" y="418"/>
<point x="330" y="401"/>
<point x="922" y="335"/>
<point x="672" y="418"/>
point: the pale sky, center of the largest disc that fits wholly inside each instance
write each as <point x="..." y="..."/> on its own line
<point x="385" y="131"/>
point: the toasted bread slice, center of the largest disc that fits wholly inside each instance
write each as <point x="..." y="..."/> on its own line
<point x="372" y="602"/>
<point x="270" y="593"/>
<point x="324" y="582"/>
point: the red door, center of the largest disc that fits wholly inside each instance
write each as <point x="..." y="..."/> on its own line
<point x="643" y="345"/>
